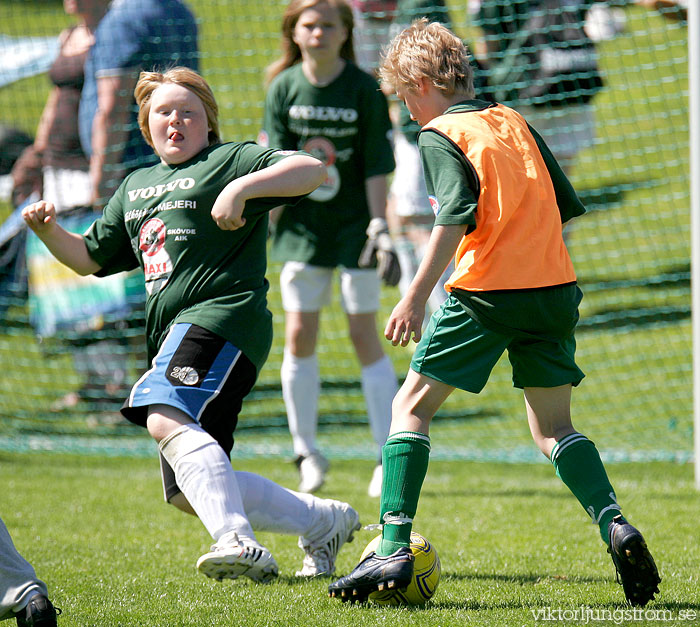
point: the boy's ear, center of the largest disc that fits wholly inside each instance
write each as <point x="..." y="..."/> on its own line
<point x="423" y="85"/>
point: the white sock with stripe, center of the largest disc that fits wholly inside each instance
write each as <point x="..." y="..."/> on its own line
<point x="270" y="507"/>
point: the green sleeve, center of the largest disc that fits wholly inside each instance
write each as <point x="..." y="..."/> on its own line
<point x="108" y="242"/>
<point x="275" y="119"/>
<point x="568" y="202"/>
<point x="250" y="158"/>
<point x="450" y="180"/>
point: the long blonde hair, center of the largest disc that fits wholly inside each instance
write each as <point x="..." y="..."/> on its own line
<point x="291" y="54"/>
<point x="185" y="77"/>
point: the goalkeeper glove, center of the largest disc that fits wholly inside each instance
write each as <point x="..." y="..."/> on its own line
<point x="379" y="252"/>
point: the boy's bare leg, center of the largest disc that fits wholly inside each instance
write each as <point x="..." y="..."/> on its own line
<point x="549" y="415"/>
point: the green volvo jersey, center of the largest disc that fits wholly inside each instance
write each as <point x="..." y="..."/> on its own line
<point x="346" y="125"/>
<point x="160" y="219"/>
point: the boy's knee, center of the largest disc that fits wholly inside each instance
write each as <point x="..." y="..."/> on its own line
<point x="157" y="426"/>
<point x="408" y="413"/>
<point x="163" y="420"/>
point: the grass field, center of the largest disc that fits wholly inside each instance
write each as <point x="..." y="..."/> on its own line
<point x="512" y="541"/>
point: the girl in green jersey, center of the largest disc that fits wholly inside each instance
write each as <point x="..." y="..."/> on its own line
<point x="319" y="101"/>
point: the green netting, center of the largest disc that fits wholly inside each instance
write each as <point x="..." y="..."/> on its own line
<point x="631" y="251"/>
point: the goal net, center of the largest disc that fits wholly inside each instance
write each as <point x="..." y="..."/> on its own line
<point x="70" y="349"/>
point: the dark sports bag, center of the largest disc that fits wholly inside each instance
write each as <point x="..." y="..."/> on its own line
<point x="550" y="61"/>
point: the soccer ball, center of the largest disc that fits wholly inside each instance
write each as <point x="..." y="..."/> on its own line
<point x="426" y="574"/>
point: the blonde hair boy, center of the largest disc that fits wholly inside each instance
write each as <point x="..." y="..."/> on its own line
<point x="428" y="50"/>
<point x="500" y="200"/>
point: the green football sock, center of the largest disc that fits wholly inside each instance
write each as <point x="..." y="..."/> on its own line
<point x="579" y="466"/>
<point x="405" y="463"/>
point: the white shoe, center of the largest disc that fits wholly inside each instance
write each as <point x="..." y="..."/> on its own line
<point x="312" y="472"/>
<point x="230" y="558"/>
<point x="375" y="485"/>
<point x="321" y="552"/>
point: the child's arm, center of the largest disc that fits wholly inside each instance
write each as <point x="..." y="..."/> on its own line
<point x="295" y="175"/>
<point x="69" y="248"/>
<point x="376" y="190"/>
<point x="407" y="317"/>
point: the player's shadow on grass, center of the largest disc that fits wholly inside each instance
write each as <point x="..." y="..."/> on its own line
<point x="613" y="194"/>
<point x="544" y="493"/>
<point x="521" y="578"/>
<point x="675" y="278"/>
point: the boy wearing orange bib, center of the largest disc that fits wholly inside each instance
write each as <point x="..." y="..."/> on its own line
<point x="500" y="200"/>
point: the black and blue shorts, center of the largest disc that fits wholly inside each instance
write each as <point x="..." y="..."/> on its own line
<point x="201" y="374"/>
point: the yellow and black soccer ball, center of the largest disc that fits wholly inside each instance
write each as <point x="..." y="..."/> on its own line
<point x="426" y="574"/>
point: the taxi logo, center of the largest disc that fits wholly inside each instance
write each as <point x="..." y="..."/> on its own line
<point x="152" y="236"/>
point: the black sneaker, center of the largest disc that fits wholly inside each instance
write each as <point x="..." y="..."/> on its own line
<point x="38" y="613"/>
<point x="635" y="566"/>
<point x="375" y="573"/>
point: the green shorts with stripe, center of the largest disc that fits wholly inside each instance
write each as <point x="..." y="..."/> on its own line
<point x="458" y="350"/>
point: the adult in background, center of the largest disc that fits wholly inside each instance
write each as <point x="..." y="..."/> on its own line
<point x="134" y="35"/>
<point x="22" y="594"/>
<point x="56" y="168"/>
<point x="539" y="60"/>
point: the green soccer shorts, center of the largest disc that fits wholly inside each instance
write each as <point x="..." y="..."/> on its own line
<point x="459" y="351"/>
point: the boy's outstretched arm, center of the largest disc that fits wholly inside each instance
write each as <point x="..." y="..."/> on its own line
<point x="69" y="248"/>
<point x="295" y="175"/>
<point x="407" y="317"/>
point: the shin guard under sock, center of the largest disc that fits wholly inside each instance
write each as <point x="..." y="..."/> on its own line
<point x="579" y="466"/>
<point x="405" y="463"/>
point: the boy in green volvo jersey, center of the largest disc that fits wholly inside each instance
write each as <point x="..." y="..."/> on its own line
<point x="196" y="224"/>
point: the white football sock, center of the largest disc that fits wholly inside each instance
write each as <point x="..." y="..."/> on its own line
<point x="204" y="474"/>
<point x="270" y="507"/>
<point x="379" y="385"/>
<point x="301" y="386"/>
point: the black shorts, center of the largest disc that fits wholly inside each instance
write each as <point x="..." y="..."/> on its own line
<point x="201" y="374"/>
